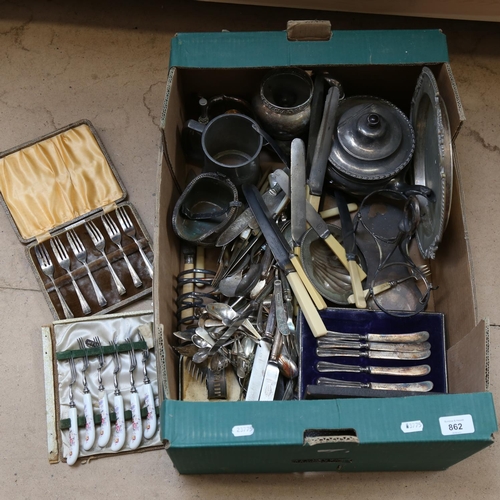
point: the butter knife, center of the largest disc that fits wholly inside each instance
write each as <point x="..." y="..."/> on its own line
<point x="374" y="346"/>
<point x="425" y="386"/>
<point x="401" y="371"/>
<point x="272" y="371"/>
<point x="381" y="337"/>
<point x="326" y="352"/>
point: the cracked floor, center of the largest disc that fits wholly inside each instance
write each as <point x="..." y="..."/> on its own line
<point x="107" y="62"/>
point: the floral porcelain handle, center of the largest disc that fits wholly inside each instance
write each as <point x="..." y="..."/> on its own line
<point x="89" y="422"/>
<point x="105" y="430"/>
<point x="135" y="407"/>
<point x="149" y="400"/>
<point x="119" y="432"/>
<point x="74" y="442"/>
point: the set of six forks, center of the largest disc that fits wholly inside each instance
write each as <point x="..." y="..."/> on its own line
<point x="80" y="252"/>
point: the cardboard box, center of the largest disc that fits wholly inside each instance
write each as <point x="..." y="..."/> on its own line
<point x="411" y="433"/>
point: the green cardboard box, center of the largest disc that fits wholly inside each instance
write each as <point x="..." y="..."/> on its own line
<point x="411" y="433"/>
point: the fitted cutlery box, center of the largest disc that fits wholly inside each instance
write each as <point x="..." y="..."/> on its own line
<point x="87" y="246"/>
<point x="430" y="432"/>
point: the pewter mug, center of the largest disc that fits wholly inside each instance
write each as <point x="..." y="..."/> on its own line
<point x="231" y="146"/>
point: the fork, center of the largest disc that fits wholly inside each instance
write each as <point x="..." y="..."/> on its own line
<point x="88" y="410"/>
<point x="81" y="254"/>
<point x="135" y="402"/>
<point x="74" y="442"/>
<point x="116" y="238"/>
<point x="48" y="269"/>
<point x="119" y="432"/>
<point x="149" y="399"/>
<point x="98" y="240"/>
<point x="62" y="257"/>
<point x="129" y="230"/>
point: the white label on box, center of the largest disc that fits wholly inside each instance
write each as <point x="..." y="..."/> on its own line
<point x="413" y="426"/>
<point x="243" y="430"/>
<point x="457" y="424"/>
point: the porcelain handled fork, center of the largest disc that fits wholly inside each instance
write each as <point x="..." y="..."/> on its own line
<point x="63" y="259"/>
<point x="119" y="432"/>
<point x="129" y="229"/>
<point x="105" y="430"/>
<point x="149" y="398"/>
<point x="135" y="402"/>
<point x="74" y="441"/>
<point x="116" y="238"/>
<point x="88" y="410"/>
<point x="98" y="240"/>
<point x="81" y="254"/>
<point x="48" y="269"/>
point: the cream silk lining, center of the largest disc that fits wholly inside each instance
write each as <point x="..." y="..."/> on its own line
<point x="57" y="180"/>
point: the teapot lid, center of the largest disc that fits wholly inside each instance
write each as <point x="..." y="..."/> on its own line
<point x="373" y="139"/>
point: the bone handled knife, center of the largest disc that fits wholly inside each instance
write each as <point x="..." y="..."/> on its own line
<point x="374" y="346"/>
<point x="381" y="337"/>
<point x="425" y="386"/>
<point x="317" y="223"/>
<point x="281" y="251"/>
<point x="295" y="189"/>
<point x="350" y="250"/>
<point x="323" y="147"/>
<point x="327" y="352"/>
<point x="399" y="371"/>
<point x="272" y="370"/>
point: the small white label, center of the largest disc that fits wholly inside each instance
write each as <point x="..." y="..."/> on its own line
<point x="243" y="430"/>
<point x="457" y="424"/>
<point x="413" y="426"/>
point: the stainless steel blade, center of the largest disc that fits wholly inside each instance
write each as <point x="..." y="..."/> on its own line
<point x="298" y="190"/>
<point x="259" y="367"/>
<point x="401" y="371"/>
<point x="425" y="386"/>
<point x="270" y="382"/>
<point x="324" y="352"/>
<point x="324" y="143"/>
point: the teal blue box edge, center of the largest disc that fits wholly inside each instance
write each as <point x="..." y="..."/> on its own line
<point x="242" y="436"/>
<point x="252" y="49"/>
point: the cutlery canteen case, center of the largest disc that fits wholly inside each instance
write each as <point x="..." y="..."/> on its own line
<point x="57" y="183"/>
<point x="430" y="432"/>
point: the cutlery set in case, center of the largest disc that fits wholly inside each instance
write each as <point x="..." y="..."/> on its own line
<point x="91" y="255"/>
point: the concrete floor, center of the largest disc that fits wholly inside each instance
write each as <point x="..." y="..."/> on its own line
<point x="107" y="61"/>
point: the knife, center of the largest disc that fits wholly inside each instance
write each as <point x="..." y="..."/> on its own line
<point x="373" y="346"/>
<point x="317" y="105"/>
<point x="286" y="261"/>
<point x="272" y="371"/>
<point x="245" y="219"/>
<point x="317" y="223"/>
<point x="350" y="249"/>
<point x="294" y="188"/>
<point x="381" y="337"/>
<point x="402" y="371"/>
<point x="297" y="193"/>
<point x="323" y="147"/>
<point x="425" y="386"/>
<point x="281" y="316"/>
<point x="261" y="357"/>
<point x="325" y="352"/>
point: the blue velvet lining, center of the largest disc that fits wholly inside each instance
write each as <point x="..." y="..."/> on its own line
<point x="365" y="321"/>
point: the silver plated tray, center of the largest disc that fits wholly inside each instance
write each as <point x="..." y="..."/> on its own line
<point x="432" y="161"/>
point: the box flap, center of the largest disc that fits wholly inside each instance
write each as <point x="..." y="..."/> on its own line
<point x="57" y="179"/>
<point x="251" y="49"/>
